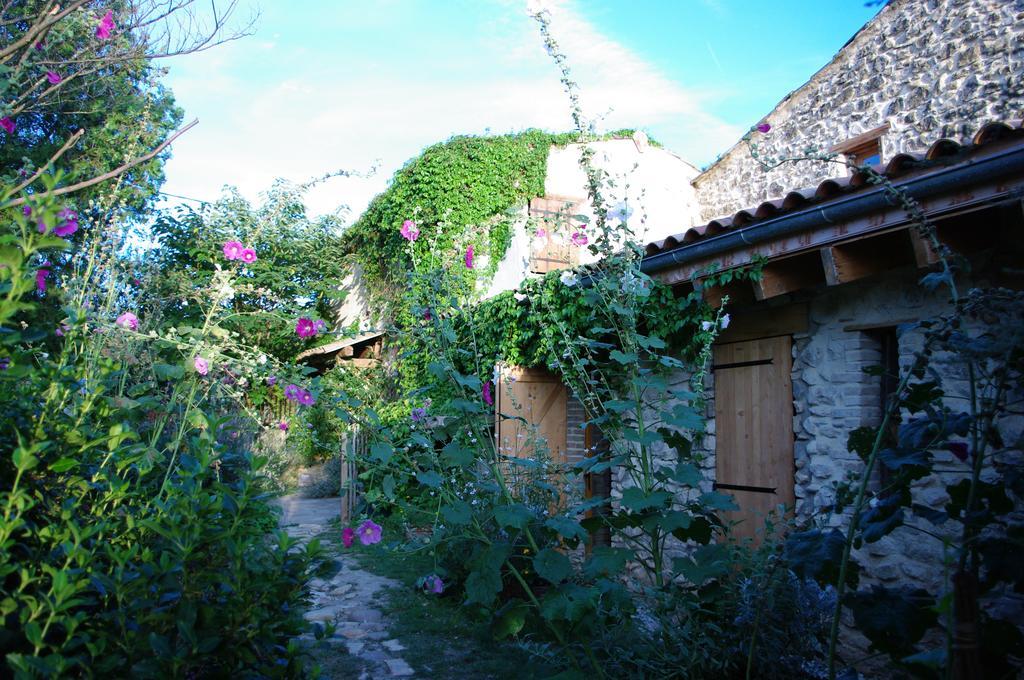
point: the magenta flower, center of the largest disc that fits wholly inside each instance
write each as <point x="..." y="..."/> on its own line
<point x="291" y="392"/>
<point x="488" y="399"/>
<point x="763" y="127"/>
<point x="283" y="425"/>
<point x="69" y="225"/>
<point x="53" y="77"/>
<point x="271" y="379"/>
<point x="128" y="320"/>
<point x="541" y="233"/>
<point x="106" y="26"/>
<point x="409" y="231"/>
<point x="232" y="250"/>
<point x="304" y="328"/>
<point x="42" y="227"/>
<point x="248" y="255"/>
<point x="469" y="257"/>
<point x="305" y="398"/>
<point x="369" y="532"/>
<point x="433" y="584"/>
<point x="348" y="535"/>
<point x="26" y="211"/>
<point x="7" y="124"/>
<point x="579" y="238"/>
<point x="38" y="45"/>
<point x="41" y="275"/>
<point x="427" y="316"/>
<point x="202" y="365"/>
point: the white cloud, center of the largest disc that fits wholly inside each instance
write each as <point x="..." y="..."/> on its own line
<point x="332" y="116"/>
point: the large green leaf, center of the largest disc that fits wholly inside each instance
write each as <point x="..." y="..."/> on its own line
<point x="552" y="565"/>
<point x="635" y="500"/>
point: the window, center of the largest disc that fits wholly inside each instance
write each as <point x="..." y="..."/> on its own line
<point x="864" y="149"/>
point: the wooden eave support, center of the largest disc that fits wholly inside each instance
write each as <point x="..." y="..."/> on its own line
<point x="788" y="275"/>
<point x="866" y="256"/>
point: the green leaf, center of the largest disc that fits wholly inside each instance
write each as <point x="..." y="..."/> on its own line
<point x="388" y="486"/>
<point x="510" y="619"/>
<point x="635" y="500"/>
<point x="168" y="372"/>
<point x="382" y="451"/>
<point x="429" y="478"/>
<point x="552" y="565"/>
<point x="622" y="358"/>
<point x="606" y="561"/>
<point x="706" y="563"/>
<point x="567" y="527"/>
<point x="456" y="455"/>
<point x="516" y="515"/>
<point x="893" y="619"/>
<point x="63" y="465"/>
<point x="458" y="513"/>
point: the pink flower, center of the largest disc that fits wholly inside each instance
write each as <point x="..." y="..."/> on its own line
<point x="304" y="328"/>
<point x="7" y="124"/>
<point x="248" y="255"/>
<point x="128" y="320"/>
<point x="305" y="398"/>
<point x="232" y="250"/>
<point x="38" y="45"/>
<point x="291" y="392"/>
<point x="41" y="275"/>
<point x="202" y="365"/>
<point x="433" y="584"/>
<point x="53" y="77"/>
<point x="369" y="532"/>
<point x="579" y="238"/>
<point x="763" y="127"/>
<point x="427" y="316"/>
<point x="488" y="399"/>
<point x="283" y="425"/>
<point x="106" y="26"/>
<point x="69" y="225"/>
<point x="42" y="227"/>
<point x="409" y="231"/>
<point x="469" y="257"/>
<point x="348" y="535"/>
<point x="320" y="326"/>
<point x="541" y="233"/>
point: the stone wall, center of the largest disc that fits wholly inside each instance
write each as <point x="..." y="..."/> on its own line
<point x="928" y="68"/>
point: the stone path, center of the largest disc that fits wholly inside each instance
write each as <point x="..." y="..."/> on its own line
<point x="346" y="598"/>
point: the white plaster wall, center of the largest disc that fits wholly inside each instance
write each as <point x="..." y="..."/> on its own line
<point x="654" y="183"/>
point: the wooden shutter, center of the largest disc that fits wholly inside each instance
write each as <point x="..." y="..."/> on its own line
<point x="554" y="253"/>
<point x="754" y="428"/>
<point x="538" y="397"/>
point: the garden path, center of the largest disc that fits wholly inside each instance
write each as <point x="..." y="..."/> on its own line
<point x="344" y="595"/>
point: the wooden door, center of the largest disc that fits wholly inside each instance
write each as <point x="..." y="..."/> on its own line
<point x="540" y="399"/>
<point x="754" y="429"/>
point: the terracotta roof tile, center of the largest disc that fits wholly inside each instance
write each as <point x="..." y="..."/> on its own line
<point x="834" y="187"/>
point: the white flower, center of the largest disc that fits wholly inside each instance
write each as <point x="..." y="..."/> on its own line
<point x="568" y="278"/>
<point x="725" y="321"/>
<point x="262" y="360"/>
<point x="519" y="296"/>
<point x="620" y="212"/>
<point x="706" y="325"/>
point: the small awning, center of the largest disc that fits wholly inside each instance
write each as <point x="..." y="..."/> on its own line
<point x="332" y="348"/>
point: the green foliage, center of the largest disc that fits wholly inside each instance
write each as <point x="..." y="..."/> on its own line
<point x="297" y="272"/>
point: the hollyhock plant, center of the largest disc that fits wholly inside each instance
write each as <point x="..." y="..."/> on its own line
<point x="232" y="250"/>
<point x="469" y="257"/>
<point x="106" y="26"/>
<point x="41" y="275"/>
<point x="7" y="124"/>
<point x="128" y="321"/>
<point x="306" y="398"/>
<point x="5" y="363"/>
<point x="201" y="365"/>
<point x="320" y="326"/>
<point x="53" y="77"/>
<point x="541" y="233"/>
<point x="304" y="328"/>
<point x="568" y="278"/>
<point x="418" y="414"/>
<point x="369" y="532"/>
<point x="409" y="231"/>
<point x="433" y="584"/>
<point x="348" y="535"/>
<point x="579" y="238"/>
<point x="763" y="127"/>
<point x="69" y="225"/>
<point x="248" y="255"/>
<point x="271" y="379"/>
<point x="283" y="425"/>
<point x="291" y="392"/>
<point x="725" y="321"/>
<point x="488" y="399"/>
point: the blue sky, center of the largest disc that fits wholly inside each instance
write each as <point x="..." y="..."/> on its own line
<point x="325" y="85"/>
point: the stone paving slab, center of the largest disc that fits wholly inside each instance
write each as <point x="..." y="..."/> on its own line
<point x="347" y="599"/>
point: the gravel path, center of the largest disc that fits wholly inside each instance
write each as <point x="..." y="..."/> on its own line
<point x="347" y="599"/>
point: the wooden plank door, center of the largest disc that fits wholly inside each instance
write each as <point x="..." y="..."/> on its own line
<point x="538" y="397"/>
<point x="754" y="429"/>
